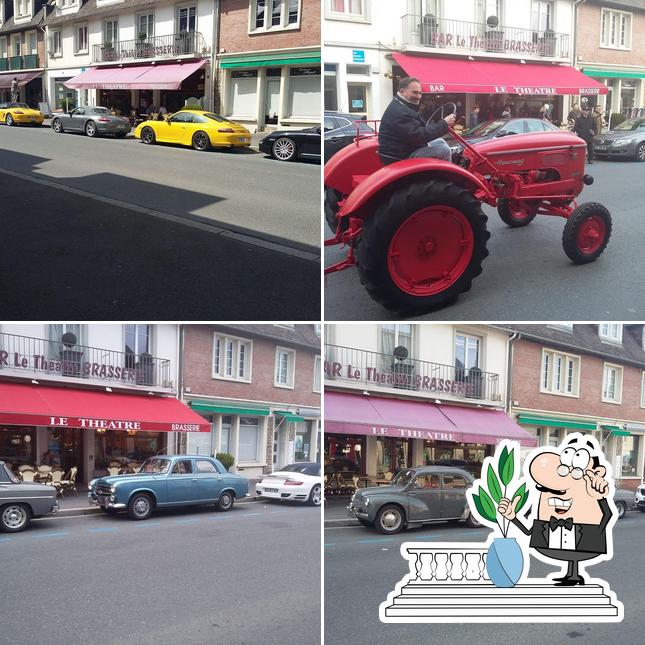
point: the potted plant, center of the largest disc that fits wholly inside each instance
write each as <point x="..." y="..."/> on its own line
<point x="225" y="459"/>
<point x="547" y="43"/>
<point x="504" y="562"/>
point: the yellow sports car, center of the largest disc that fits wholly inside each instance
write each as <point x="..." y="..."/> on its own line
<point x="195" y="128"/>
<point x="19" y="113"/>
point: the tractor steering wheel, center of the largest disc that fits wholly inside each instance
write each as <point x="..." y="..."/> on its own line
<point x="443" y="109"/>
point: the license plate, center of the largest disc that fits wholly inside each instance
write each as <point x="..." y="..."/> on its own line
<point x="270" y="490"/>
<point x="601" y="149"/>
<point x="244" y="139"/>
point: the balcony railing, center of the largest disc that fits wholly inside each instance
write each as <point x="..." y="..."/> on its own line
<point x="41" y="357"/>
<point x="30" y="61"/>
<point x="459" y="35"/>
<point x="185" y="43"/>
<point x="365" y="368"/>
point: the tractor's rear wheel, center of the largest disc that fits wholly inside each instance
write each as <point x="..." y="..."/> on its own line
<point x="332" y="197"/>
<point x="515" y="214"/>
<point x="423" y="246"/>
<point x="586" y="233"/>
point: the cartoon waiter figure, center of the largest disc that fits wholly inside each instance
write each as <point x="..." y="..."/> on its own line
<point x="573" y="511"/>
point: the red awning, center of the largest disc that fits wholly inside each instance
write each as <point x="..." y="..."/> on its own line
<point x="23" y="79"/>
<point x="22" y="404"/>
<point x="136" y="77"/>
<point x="380" y="417"/>
<point x="445" y="75"/>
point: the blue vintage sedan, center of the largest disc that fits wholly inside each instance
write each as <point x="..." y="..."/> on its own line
<point x="169" y="481"/>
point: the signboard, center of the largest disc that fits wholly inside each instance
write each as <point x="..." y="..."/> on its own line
<point x="358" y="55"/>
<point x="45" y="109"/>
<point x="357" y="103"/>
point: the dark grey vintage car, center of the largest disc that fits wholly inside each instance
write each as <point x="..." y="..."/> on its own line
<point x="91" y="120"/>
<point x="415" y="496"/>
<point x="20" y="502"/>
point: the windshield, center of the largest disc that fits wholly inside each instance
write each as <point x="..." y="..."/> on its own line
<point x="630" y="125"/>
<point x="216" y="117"/>
<point x="17" y="105"/>
<point x="402" y="478"/>
<point x="304" y="468"/>
<point x="484" y="129"/>
<point x="101" y="110"/>
<point x="155" y="465"/>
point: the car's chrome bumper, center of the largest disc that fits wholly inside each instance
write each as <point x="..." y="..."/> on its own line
<point x="93" y="500"/>
<point x="357" y="513"/>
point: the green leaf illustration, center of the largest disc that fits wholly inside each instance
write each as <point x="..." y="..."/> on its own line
<point x="508" y="469"/>
<point x="493" y="484"/>
<point x="523" y="494"/>
<point x="488" y="505"/>
<point x="503" y="458"/>
<point x="480" y="508"/>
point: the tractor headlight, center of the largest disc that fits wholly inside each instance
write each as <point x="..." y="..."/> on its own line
<point x="621" y="142"/>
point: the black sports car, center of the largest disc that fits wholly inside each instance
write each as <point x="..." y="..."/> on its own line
<point x="289" y="145"/>
<point x="340" y="130"/>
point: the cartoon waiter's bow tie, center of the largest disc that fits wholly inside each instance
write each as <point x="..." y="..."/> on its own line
<point x="555" y="523"/>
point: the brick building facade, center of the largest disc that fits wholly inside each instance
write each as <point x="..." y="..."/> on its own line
<point x="269" y="60"/>
<point x="259" y="386"/>
<point x="583" y="378"/>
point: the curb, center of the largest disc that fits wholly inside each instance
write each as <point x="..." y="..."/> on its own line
<point x="95" y="510"/>
<point x="349" y="521"/>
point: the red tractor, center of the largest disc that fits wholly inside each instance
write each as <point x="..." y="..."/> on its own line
<point x="415" y="228"/>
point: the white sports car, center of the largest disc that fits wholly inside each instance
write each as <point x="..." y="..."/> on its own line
<point x="300" y="482"/>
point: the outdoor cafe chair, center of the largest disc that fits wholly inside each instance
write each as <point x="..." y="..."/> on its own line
<point x="69" y="482"/>
<point x="25" y="467"/>
<point x="114" y="470"/>
<point x="43" y="473"/>
<point x="28" y="475"/>
<point x="56" y="477"/>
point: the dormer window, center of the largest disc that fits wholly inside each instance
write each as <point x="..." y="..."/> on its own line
<point x="611" y="333"/>
<point x="22" y="8"/>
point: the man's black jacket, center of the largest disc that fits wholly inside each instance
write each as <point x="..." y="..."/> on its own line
<point x="583" y="127"/>
<point x="402" y="130"/>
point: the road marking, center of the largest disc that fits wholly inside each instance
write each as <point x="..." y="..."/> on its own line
<point x="331" y="544"/>
<point x="374" y="540"/>
<point x="249" y="514"/>
<point x="102" y="530"/>
<point x="48" y="535"/>
<point x="191" y="521"/>
<point x="5" y="539"/>
<point x="187" y="219"/>
<point x="145" y="524"/>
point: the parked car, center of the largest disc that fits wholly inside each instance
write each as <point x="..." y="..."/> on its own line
<point x="624" y="500"/>
<point x="626" y="140"/>
<point x="93" y="120"/>
<point x="415" y="496"/>
<point x="300" y="482"/>
<point x="639" y="498"/>
<point x="13" y="113"/>
<point x="195" y="128"/>
<point x="166" y="482"/>
<point x="290" y="145"/>
<point x="341" y="129"/>
<point x="21" y="502"/>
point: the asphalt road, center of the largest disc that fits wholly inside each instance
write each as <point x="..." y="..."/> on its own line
<point x="527" y="276"/>
<point x="106" y="229"/>
<point x="362" y="567"/>
<point x="248" y="576"/>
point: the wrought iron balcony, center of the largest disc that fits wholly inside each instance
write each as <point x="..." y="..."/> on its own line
<point x="39" y="357"/>
<point x="365" y="368"/>
<point x="461" y="36"/>
<point x="184" y="43"/>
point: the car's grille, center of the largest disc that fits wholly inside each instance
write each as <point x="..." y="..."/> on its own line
<point x="103" y="489"/>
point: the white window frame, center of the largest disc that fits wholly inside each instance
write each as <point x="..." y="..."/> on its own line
<point x="268" y="27"/>
<point x="115" y="39"/>
<point x="77" y="49"/>
<point x="262" y="441"/>
<point x="22" y="9"/>
<point x="413" y="339"/>
<point x="317" y="374"/>
<point x="141" y="14"/>
<point x="4" y="46"/>
<point x="237" y="343"/>
<point x="53" y="34"/>
<point x="291" y="368"/>
<point x="561" y="326"/>
<point x="345" y="16"/>
<point x="555" y="381"/>
<point x="643" y="389"/>
<point x="605" y="39"/>
<point x="612" y="333"/>
<point x="27" y="43"/>
<point x="187" y="5"/>
<point x="480" y="348"/>
<point x="618" y="383"/>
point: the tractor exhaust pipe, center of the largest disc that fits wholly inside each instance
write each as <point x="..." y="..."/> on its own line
<point x="587" y="180"/>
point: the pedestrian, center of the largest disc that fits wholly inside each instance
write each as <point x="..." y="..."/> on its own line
<point x="524" y="111"/>
<point x="574" y="113"/>
<point x="15" y="89"/>
<point x="404" y="134"/>
<point x="585" y="128"/>
<point x="49" y="459"/>
<point x="162" y="110"/>
<point x="506" y="112"/>
<point x="598" y="119"/>
<point x="473" y="117"/>
<point x="545" y="113"/>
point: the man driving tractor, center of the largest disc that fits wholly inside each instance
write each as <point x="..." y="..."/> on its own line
<point x="404" y="135"/>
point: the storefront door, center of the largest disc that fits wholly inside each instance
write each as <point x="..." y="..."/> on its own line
<point x="67" y="445"/>
<point x="272" y="103"/>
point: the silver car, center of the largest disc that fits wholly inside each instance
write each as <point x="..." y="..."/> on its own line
<point x="626" y="140"/>
<point x="20" y="502"/>
<point x="92" y="120"/>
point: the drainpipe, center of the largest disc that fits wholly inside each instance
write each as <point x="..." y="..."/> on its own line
<point x="214" y="50"/>
<point x="574" y="31"/>
<point x="509" y="371"/>
<point x="180" y="376"/>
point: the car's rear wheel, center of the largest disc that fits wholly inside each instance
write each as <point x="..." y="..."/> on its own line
<point x="621" y="507"/>
<point x="284" y="149"/>
<point x="201" y="141"/>
<point x="140" y="507"/>
<point x="91" y="130"/>
<point x="586" y="233"/>
<point x="148" y="135"/>
<point x="472" y="522"/>
<point x="14" y="517"/>
<point x="515" y="214"/>
<point x="640" y="152"/>
<point x="226" y="501"/>
<point x="315" y="496"/>
<point x="390" y="519"/>
<point x="9" y="120"/>
<point x="57" y="126"/>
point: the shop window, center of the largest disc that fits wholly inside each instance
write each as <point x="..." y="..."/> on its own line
<point x="18" y="445"/>
<point x="244" y="87"/>
<point x="232" y="358"/>
<point x="615" y="29"/>
<point x="125" y="447"/>
<point x="331" y="87"/>
<point x="285" y="364"/>
<point x="304" y="92"/>
<point x="303" y="441"/>
<point x="560" y="373"/>
<point x="612" y="383"/>
<point x="629" y="460"/>
<point x="274" y="15"/>
<point x="249" y="444"/>
<point x="612" y="333"/>
<point x="553" y="437"/>
<point x="226" y="436"/>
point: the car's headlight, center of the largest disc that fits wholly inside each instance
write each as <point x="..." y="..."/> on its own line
<point x="113" y="488"/>
<point x="92" y="483"/>
<point x="621" y="142"/>
<point x="367" y="502"/>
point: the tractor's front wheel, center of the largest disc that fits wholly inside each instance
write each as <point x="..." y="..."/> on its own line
<point x="423" y="246"/>
<point x="515" y="214"/>
<point x="332" y="197"/>
<point x="586" y="233"/>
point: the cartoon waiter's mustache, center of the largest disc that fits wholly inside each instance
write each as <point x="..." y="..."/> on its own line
<point x="544" y="489"/>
